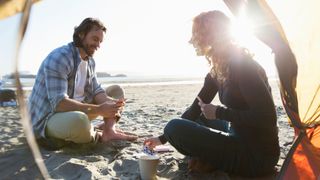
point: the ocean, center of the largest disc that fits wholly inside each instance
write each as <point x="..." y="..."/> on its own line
<point x="122" y="81"/>
<point x="129" y="81"/>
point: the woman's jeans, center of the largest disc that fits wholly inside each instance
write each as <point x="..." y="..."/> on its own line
<point x="215" y="142"/>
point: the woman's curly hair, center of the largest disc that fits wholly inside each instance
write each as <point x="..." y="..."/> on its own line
<point x="211" y="33"/>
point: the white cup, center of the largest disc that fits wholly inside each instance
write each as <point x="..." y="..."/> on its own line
<point x="148" y="166"/>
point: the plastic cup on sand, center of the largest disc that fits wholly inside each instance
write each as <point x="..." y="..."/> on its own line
<point x="148" y="166"/>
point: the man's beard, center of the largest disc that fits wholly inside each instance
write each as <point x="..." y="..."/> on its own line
<point x="86" y="49"/>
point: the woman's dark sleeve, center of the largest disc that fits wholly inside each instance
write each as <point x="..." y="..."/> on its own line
<point x="207" y="93"/>
<point x="163" y="139"/>
<point x="254" y="89"/>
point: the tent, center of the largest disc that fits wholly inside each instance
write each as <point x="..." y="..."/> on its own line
<point x="290" y="29"/>
<point x="8" y="8"/>
<point x="11" y="7"/>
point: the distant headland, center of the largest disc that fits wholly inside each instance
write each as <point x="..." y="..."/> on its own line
<point x="27" y="75"/>
<point x="104" y="74"/>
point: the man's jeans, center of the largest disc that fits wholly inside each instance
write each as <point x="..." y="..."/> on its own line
<point x="71" y="126"/>
<point x="74" y="126"/>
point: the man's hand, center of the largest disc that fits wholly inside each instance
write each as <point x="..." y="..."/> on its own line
<point x="208" y="110"/>
<point x="109" y="109"/>
<point x="103" y="100"/>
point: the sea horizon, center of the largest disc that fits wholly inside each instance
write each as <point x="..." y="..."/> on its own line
<point x="28" y="83"/>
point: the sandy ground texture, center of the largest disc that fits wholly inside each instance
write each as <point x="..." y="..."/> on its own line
<point x="148" y="109"/>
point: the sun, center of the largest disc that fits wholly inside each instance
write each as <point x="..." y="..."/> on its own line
<point x="242" y="30"/>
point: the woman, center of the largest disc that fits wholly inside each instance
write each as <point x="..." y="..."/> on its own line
<point x="241" y="136"/>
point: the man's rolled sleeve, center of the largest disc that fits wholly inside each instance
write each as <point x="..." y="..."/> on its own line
<point x="56" y="79"/>
<point x="96" y="86"/>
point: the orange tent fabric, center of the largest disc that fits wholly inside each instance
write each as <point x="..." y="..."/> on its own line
<point x="305" y="161"/>
<point x="11" y="7"/>
<point x="291" y="29"/>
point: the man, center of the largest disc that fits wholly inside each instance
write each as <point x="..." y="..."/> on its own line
<point x="66" y="93"/>
<point x="0" y="83"/>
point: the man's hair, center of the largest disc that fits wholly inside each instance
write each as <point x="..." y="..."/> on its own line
<point x="85" y="26"/>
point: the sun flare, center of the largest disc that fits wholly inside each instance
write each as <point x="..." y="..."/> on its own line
<point x="242" y="30"/>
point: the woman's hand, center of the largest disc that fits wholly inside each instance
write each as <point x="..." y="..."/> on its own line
<point x="208" y="110"/>
<point x="151" y="143"/>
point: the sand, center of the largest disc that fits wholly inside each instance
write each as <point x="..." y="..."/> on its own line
<point x="148" y="109"/>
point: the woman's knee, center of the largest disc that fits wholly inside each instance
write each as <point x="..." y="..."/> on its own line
<point x="176" y="132"/>
<point x="176" y="127"/>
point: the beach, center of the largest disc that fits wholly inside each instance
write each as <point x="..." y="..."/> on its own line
<point x="148" y="108"/>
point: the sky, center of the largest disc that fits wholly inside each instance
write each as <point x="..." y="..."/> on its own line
<point x="144" y="37"/>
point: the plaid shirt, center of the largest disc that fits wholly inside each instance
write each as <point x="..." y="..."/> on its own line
<point x="55" y="81"/>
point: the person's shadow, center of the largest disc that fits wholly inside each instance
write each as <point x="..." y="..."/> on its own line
<point x="73" y="161"/>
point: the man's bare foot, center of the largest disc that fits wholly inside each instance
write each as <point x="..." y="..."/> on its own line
<point x="108" y="135"/>
<point x="124" y="132"/>
<point x="102" y="126"/>
<point x="99" y="126"/>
